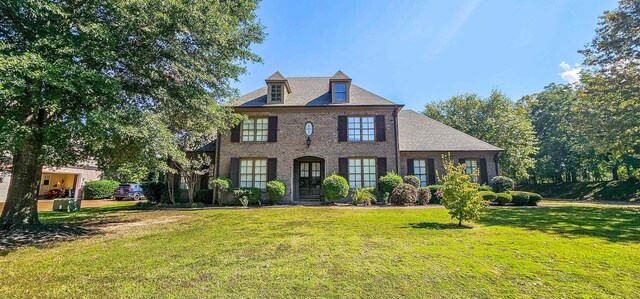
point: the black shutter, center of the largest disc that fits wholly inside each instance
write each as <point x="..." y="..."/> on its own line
<point x="382" y="166"/>
<point x="484" y="176"/>
<point x="273" y="129"/>
<point x="343" y="168"/>
<point x="461" y="161"/>
<point x="235" y="133"/>
<point x="381" y="129"/>
<point x="410" y="170"/>
<point x="431" y="171"/>
<point x="342" y="128"/>
<point x="272" y="168"/>
<point x="234" y="172"/>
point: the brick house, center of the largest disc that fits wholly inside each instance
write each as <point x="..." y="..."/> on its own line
<point x="299" y="130"/>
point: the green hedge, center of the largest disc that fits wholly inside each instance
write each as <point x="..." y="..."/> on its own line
<point x="412" y="180"/>
<point x="404" y="194"/>
<point x="487" y="195"/>
<point x="503" y="198"/>
<point x="522" y="198"/>
<point x="204" y="196"/>
<point x="153" y="191"/>
<point x="100" y="189"/>
<point x="276" y="190"/>
<point x="435" y="191"/>
<point x="389" y="182"/>
<point x="335" y="188"/>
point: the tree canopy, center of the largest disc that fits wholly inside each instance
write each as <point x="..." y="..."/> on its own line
<point x="496" y="120"/>
<point x="114" y="81"/>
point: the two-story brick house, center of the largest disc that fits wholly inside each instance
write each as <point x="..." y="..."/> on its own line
<point x="299" y="130"/>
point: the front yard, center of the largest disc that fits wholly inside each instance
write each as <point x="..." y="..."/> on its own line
<point x="559" y="251"/>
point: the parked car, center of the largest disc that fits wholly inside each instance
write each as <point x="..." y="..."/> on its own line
<point x="129" y="191"/>
<point x="53" y="193"/>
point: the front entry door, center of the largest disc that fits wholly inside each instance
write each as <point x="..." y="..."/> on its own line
<point x="310" y="181"/>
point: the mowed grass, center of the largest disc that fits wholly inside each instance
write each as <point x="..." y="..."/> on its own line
<point x="549" y="252"/>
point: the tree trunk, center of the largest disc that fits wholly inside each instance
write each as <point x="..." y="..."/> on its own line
<point x="614" y="172"/>
<point x="460" y="222"/>
<point x="21" y="207"/>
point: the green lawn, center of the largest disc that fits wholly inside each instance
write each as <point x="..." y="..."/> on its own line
<point x="549" y="252"/>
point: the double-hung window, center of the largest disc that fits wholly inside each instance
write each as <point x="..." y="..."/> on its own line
<point x="340" y="92"/>
<point x="361" y="128"/>
<point x="362" y="172"/>
<point x="253" y="173"/>
<point x="472" y="169"/>
<point x="276" y="92"/>
<point x="255" y="129"/>
<point x="420" y="171"/>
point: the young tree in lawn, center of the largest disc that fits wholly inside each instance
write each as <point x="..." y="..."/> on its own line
<point x="115" y="81"/>
<point x="460" y="195"/>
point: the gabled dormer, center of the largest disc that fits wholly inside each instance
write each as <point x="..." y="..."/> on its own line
<point x="277" y="88"/>
<point x="340" y="84"/>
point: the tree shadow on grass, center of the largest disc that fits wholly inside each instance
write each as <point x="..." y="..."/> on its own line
<point x="437" y="225"/>
<point x="62" y="226"/>
<point x="611" y="224"/>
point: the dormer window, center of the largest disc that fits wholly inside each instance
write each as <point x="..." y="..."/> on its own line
<point x="277" y="88"/>
<point x="339" y="85"/>
<point x="276" y="92"/>
<point x="341" y="92"/>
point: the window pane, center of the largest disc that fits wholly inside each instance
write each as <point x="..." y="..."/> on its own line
<point x="341" y="87"/>
<point x="341" y="96"/>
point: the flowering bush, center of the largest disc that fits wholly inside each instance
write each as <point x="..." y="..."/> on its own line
<point x="404" y="194"/>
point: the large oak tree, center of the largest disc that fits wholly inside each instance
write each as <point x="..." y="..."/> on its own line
<point x="112" y="80"/>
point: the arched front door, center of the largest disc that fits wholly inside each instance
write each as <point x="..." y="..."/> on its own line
<point x="309" y="173"/>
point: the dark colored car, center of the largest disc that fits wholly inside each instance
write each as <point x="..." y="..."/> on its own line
<point x="129" y="191"/>
<point x="53" y="193"/>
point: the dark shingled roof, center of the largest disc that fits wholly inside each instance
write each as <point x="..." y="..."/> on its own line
<point x="418" y="132"/>
<point x="310" y="91"/>
<point x="276" y="76"/>
<point x="340" y="76"/>
<point x="209" y="147"/>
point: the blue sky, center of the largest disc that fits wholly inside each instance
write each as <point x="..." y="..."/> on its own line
<point x="415" y="52"/>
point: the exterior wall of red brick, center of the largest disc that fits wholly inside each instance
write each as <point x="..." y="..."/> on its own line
<point x="291" y="141"/>
<point x="492" y="168"/>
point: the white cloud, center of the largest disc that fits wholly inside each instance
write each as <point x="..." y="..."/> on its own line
<point x="570" y="74"/>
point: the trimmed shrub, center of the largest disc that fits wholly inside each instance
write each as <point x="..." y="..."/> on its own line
<point x="220" y="185"/>
<point x="335" y="188"/>
<point x="424" y="195"/>
<point x="362" y="196"/>
<point x="501" y="184"/>
<point x="382" y="197"/>
<point x="522" y="198"/>
<point x="275" y="191"/>
<point x="534" y="198"/>
<point x="485" y="187"/>
<point x="256" y="196"/>
<point x="389" y="182"/>
<point x="204" y="196"/>
<point x="242" y="196"/>
<point x="404" y="194"/>
<point x="487" y="195"/>
<point x="412" y="180"/>
<point x="436" y="193"/>
<point x="503" y="198"/>
<point x="221" y="182"/>
<point x="519" y="198"/>
<point x="153" y="190"/>
<point x="100" y="189"/>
